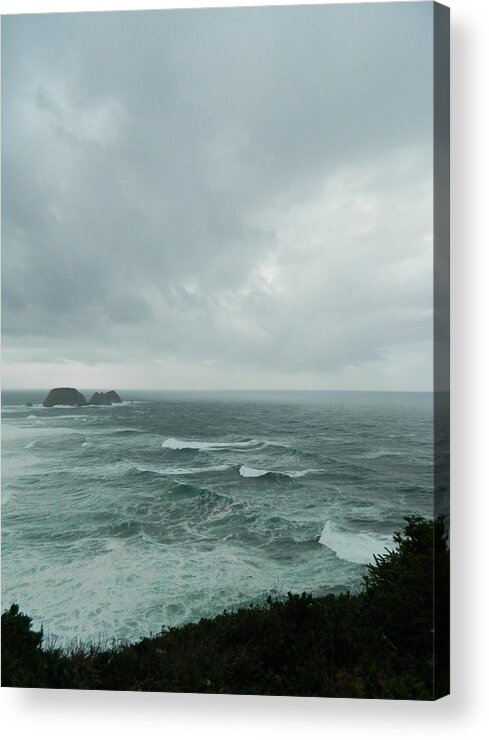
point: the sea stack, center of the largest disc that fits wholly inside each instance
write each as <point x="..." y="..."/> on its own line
<point x="105" y="399"/>
<point x="99" y="399"/>
<point x="113" y="397"/>
<point x="64" y="397"/>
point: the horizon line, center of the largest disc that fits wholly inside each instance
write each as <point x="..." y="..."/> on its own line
<point x="238" y="390"/>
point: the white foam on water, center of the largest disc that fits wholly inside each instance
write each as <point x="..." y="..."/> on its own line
<point x="252" y="472"/>
<point x="356" y="548"/>
<point x="183" y="471"/>
<point x="6" y="497"/>
<point x="180" y="444"/>
<point x="302" y="473"/>
<point x="60" y="406"/>
<point x="69" y="416"/>
<point x="13" y="432"/>
<point x="29" y="445"/>
<point x="218" y="516"/>
<point x="247" y="472"/>
<point x="375" y="454"/>
<point x="102" y="596"/>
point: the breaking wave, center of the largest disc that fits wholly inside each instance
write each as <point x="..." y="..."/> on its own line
<point x="183" y="471"/>
<point x="247" y="472"/>
<point x="181" y="444"/>
<point x="355" y="548"/>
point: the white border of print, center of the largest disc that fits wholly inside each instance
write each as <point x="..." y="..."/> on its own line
<point x="39" y="714"/>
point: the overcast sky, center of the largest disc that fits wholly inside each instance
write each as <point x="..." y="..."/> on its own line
<point x="218" y="198"/>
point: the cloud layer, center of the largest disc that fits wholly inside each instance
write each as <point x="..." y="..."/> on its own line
<point x="219" y="198"/>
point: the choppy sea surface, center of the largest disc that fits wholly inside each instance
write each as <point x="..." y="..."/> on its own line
<point x="173" y="506"/>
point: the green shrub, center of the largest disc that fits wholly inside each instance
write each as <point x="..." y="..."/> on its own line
<point x="22" y="659"/>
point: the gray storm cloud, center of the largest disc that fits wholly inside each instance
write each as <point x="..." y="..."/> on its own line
<point x="246" y="190"/>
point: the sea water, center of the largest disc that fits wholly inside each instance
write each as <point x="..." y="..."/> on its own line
<point x="120" y="519"/>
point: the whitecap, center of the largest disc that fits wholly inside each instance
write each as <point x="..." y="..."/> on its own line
<point x="302" y="473"/>
<point x="356" y="548"/>
<point x="63" y="406"/>
<point x="180" y="444"/>
<point x="247" y="472"/>
<point x="217" y="516"/>
<point x="183" y="471"/>
<point x="68" y="416"/>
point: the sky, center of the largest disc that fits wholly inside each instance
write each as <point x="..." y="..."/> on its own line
<point x="217" y="199"/>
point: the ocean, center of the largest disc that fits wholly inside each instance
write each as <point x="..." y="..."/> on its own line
<point x="117" y="520"/>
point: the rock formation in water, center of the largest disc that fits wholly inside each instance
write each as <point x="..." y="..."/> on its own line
<point x="99" y="399"/>
<point x="113" y="397"/>
<point x="105" y="399"/>
<point x="29" y="403"/>
<point x="72" y="397"/>
<point x="64" y="397"/>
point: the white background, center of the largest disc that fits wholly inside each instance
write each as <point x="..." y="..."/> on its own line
<point x="40" y="714"/>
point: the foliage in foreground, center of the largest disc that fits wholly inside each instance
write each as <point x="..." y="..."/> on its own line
<point x="377" y="643"/>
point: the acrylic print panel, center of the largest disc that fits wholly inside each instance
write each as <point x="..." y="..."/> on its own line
<point x="225" y="409"/>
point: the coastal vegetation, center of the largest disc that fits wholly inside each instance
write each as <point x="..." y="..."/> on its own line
<point x="390" y="640"/>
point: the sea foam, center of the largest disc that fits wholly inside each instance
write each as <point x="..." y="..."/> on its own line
<point x="355" y="548"/>
<point x="183" y="471"/>
<point x="181" y="444"/>
<point x="247" y="472"/>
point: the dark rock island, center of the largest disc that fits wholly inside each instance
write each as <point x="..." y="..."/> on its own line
<point x="72" y="397"/>
<point x="113" y="397"/>
<point x="64" y="397"/>
<point x="105" y="399"/>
